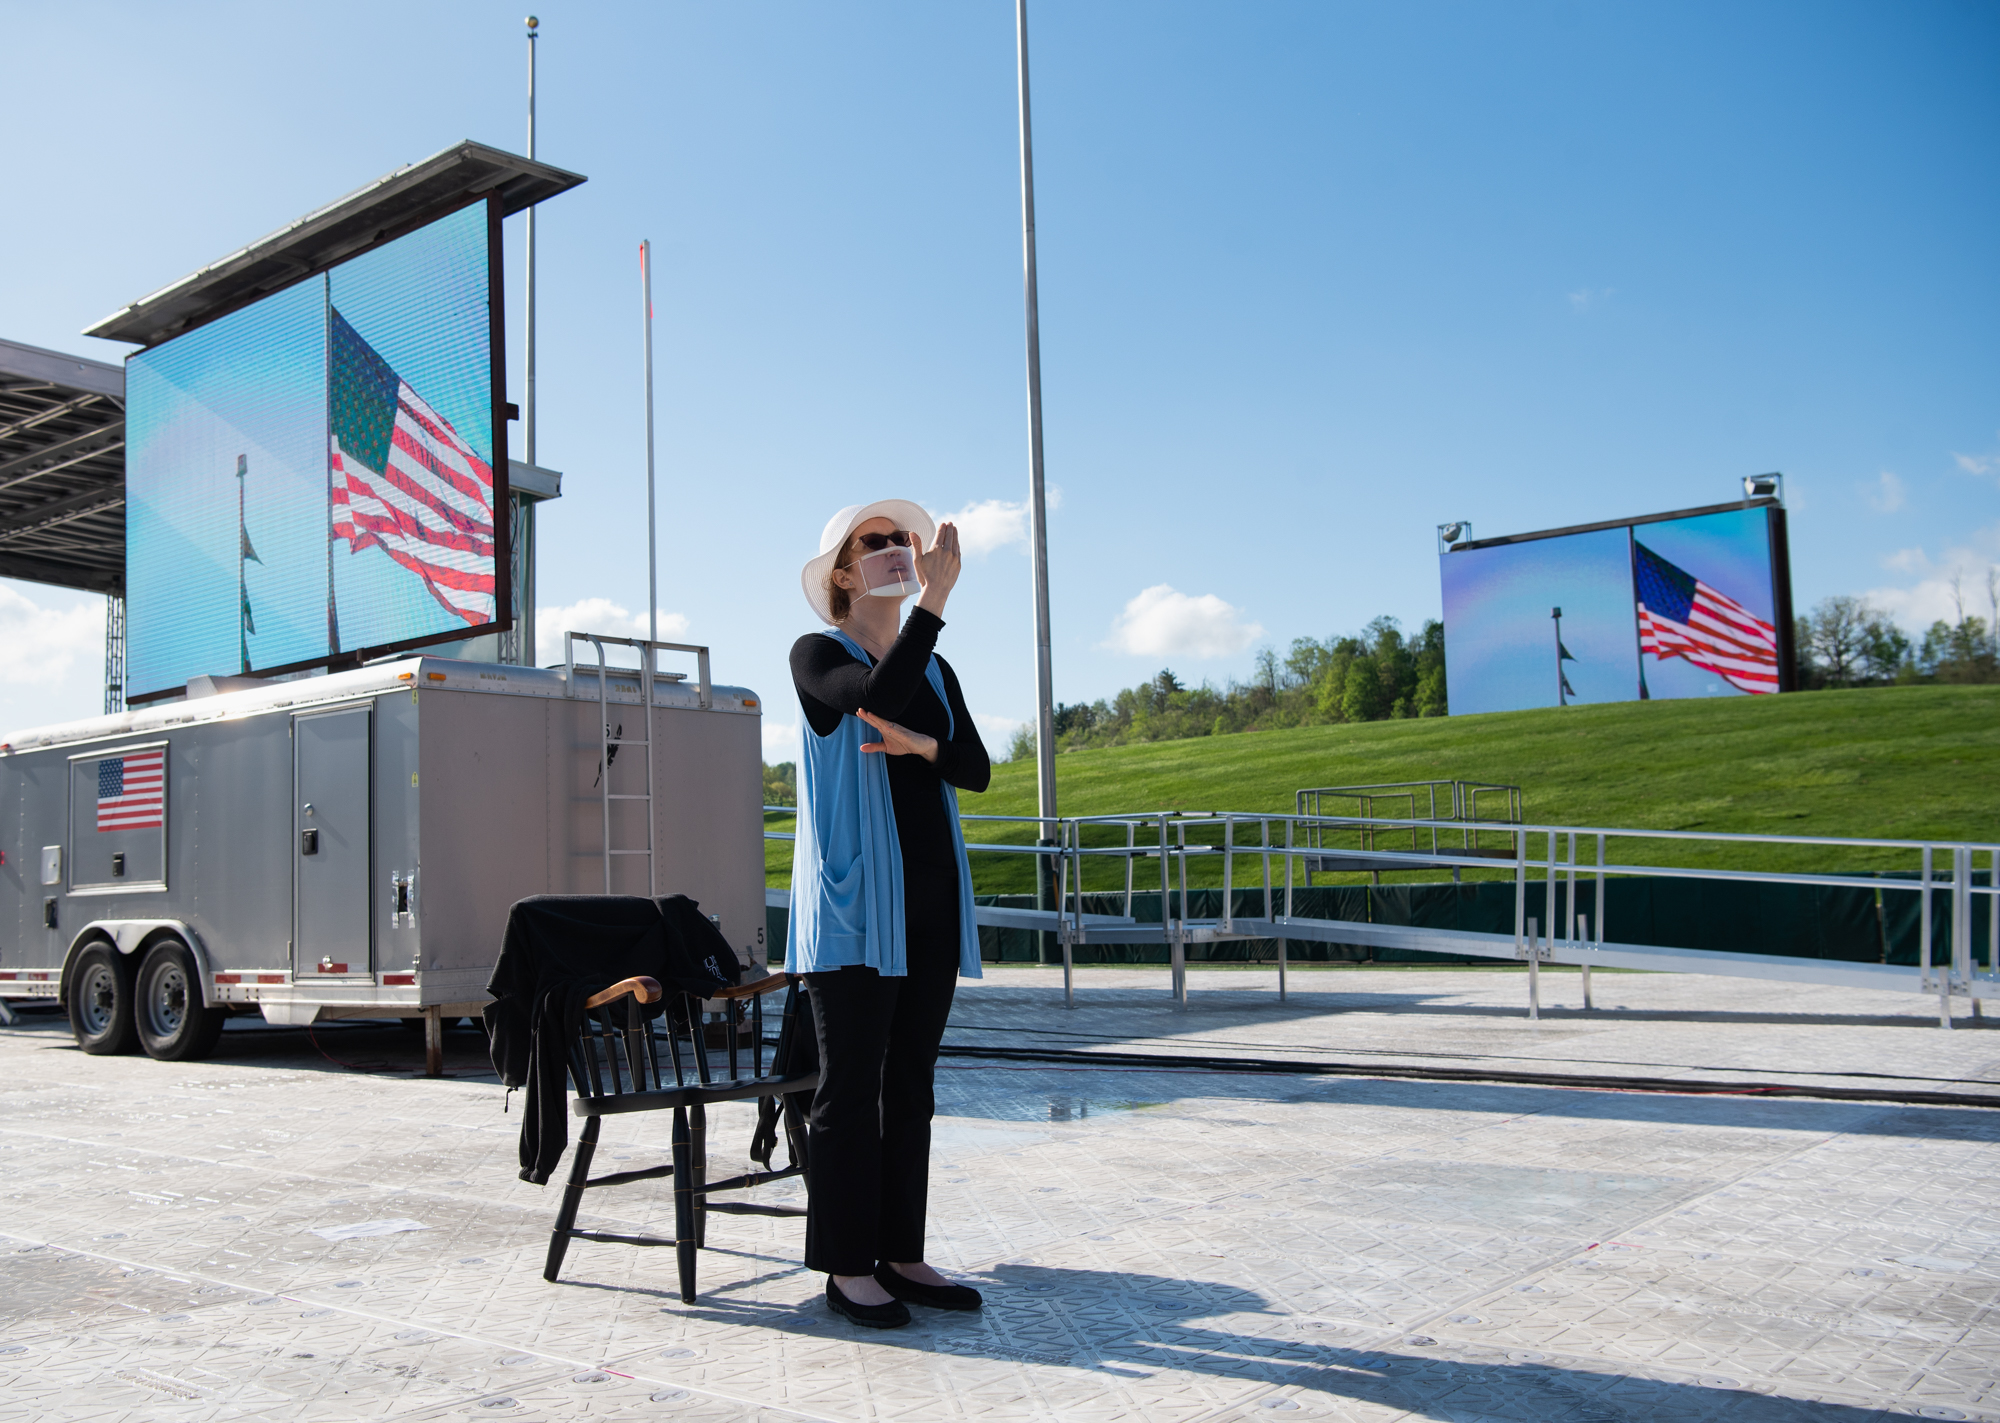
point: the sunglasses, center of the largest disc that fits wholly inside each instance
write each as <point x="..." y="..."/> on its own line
<point x="875" y="543"/>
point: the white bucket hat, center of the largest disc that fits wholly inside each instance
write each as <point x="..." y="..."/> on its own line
<point x="900" y="512"/>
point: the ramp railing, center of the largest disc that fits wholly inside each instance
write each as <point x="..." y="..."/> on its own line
<point x="1573" y="892"/>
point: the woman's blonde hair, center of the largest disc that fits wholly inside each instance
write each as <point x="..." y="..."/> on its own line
<point x="839" y="601"/>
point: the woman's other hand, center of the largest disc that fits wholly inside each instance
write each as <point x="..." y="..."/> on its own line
<point x="937" y="567"/>
<point x="900" y="740"/>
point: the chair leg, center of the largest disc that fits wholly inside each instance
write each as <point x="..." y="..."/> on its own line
<point x="579" y="1172"/>
<point x="699" y="1115"/>
<point x="797" y="1137"/>
<point x="684" y="1242"/>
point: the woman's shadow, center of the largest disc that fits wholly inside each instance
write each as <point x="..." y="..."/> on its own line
<point x="1132" y="1326"/>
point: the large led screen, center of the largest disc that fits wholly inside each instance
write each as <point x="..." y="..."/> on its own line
<point x="314" y="475"/>
<point x="1693" y="605"/>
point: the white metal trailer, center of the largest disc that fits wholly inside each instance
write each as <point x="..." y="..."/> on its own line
<point x="348" y="846"/>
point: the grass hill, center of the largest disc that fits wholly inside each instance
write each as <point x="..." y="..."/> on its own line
<point x="1911" y="762"/>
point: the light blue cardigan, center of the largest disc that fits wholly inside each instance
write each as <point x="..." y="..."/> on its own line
<point x="847" y="867"/>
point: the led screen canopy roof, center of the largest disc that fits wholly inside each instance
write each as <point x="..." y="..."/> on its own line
<point x="404" y="200"/>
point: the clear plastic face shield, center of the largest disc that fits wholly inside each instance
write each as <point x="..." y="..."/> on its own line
<point x="888" y="573"/>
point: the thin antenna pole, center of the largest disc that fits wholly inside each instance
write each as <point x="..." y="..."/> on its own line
<point x="528" y="406"/>
<point x="1038" y="530"/>
<point x="652" y="525"/>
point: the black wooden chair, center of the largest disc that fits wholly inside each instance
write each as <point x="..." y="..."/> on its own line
<point x="616" y="1068"/>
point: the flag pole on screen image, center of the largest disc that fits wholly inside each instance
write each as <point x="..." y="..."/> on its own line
<point x="652" y="524"/>
<point x="1638" y="633"/>
<point x="1038" y="523"/>
<point x="332" y="608"/>
<point x="246" y="625"/>
<point x="1564" y="691"/>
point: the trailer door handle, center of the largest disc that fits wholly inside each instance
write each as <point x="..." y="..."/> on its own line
<point x="309" y="842"/>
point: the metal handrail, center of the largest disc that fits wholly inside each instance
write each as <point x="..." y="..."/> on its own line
<point x="1576" y="932"/>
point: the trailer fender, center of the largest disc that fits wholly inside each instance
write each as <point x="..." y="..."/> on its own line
<point x="133" y="936"/>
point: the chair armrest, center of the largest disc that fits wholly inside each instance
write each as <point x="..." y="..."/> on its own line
<point x="771" y="983"/>
<point x="646" y="990"/>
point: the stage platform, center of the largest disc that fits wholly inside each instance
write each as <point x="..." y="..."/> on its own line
<point x="1157" y="1240"/>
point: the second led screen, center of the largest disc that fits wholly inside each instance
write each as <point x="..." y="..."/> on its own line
<point x="1666" y="608"/>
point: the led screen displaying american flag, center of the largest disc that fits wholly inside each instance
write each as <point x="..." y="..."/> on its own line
<point x="132" y="790"/>
<point x="1681" y="616"/>
<point x="405" y="481"/>
<point x="1687" y="604"/>
<point x="316" y="474"/>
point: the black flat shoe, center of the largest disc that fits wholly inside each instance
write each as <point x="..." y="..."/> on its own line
<point x="962" y="1297"/>
<point x="893" y="1315"/>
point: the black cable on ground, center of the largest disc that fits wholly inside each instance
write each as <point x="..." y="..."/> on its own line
<point x="1578" y="1082"/>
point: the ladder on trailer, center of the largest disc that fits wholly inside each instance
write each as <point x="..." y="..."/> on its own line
<point x="609" y="741"/>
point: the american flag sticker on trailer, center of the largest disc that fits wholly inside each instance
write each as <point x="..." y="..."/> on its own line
<point x="132" y="790"/>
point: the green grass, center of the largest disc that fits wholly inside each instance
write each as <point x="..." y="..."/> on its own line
<point x="1908" y="763"/>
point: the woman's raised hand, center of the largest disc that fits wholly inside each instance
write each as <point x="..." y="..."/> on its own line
<point x="898" y="740"/>
<point x="937" y="567"/>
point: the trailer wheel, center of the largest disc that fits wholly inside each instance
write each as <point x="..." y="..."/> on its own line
<point x="100" y="1001"/>
<point x="174" y="1025"/>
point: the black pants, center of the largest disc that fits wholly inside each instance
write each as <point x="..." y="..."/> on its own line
<point x="870" y="1142"/>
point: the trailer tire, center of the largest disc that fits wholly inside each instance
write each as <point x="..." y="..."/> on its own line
<point x="100" y="1001"/>
<point x="173" y="1023"/>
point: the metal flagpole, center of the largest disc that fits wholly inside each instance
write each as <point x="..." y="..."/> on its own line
<point x="652" y="527"/>
<point x="1038" y="531"/>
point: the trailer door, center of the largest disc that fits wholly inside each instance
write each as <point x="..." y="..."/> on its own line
<point x="331" y="844"/>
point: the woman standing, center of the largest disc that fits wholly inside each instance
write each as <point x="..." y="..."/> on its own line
<point x="881" y="922"/>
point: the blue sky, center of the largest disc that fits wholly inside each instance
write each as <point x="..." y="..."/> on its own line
<point x="1315" y="278"/>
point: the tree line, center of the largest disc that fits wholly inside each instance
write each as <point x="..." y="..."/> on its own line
<point x="1376" y="674"/>
<point x="1848" y="642"/>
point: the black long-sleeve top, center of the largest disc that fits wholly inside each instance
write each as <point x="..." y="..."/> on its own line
<point x="832" y="682"/>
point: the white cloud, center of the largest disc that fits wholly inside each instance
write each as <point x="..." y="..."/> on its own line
<point x="1586" y="298"/>
<point x="997" y="732"/>
<point x="781" y="742"/>
<point x="1887" y="494"/>
<point x="989" y="524"/>
<point x="39" y="645"/>
<point x="599" y="615"/>
<point x="1933" y="596"/>
<point x="51" y="655"/>
<point x="1163" y="622"/>
<point x="1978" y="464"/>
